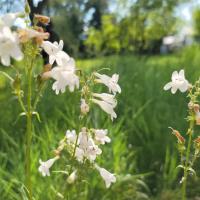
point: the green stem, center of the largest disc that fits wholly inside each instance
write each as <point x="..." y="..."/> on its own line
<point x="21" y="103"/>
<point x="38" y="94"/>
<point x="29" y="136"/>
<point x="190" y="132"/>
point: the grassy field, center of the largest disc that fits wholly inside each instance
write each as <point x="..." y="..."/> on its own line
<point x="142" y="153"/>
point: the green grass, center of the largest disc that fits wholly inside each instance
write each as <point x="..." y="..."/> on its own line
<point x="142" y="152"/>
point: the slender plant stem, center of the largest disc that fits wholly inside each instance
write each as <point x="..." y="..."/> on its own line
<point x="21" y="103"/>
<point x="38" y="94"/>
<point x="29" y="135"/>
<point x="190" y="132"/>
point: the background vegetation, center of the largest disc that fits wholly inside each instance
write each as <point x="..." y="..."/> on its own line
<point x="143" y="152"/>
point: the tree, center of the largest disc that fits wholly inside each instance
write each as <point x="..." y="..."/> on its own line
<point x="196" y="20"/>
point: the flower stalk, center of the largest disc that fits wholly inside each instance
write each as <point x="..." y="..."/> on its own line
<point x="190" y="132"/>
<point x="28" y="181"/>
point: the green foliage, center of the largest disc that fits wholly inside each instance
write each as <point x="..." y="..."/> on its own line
<point x="104" y="41"/>
<point x="140" y="30"/>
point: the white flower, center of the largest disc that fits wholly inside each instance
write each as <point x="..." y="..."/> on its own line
<point x="178" y="82"/>
<point x="9" y="46"/>
<point x="54" y="50"/>
<point x="88" y="147"/>
<point x="79" y="154"/>
<point x="101" y="136"/>
<point x="65" y="76"/>
<point x="71" y="136"/>
<point x="8" y="19"/>
<point x="107" y="103"/>
<point x="92" y="150"/>
<point x="45" y="166"/>
<point x="72" y="177"/>
<point x="106" y="175"/>
<point x="110" y="82"/>
<point x="84" y="107"/>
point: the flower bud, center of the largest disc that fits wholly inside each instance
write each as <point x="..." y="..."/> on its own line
<point x="46" y="72"/>
<point x="42" y="19"/>
<point x="191" y="105"/>
<point x="72" y="177"/>
<point x="84" y="107"/>
<point x="197" y="118"/>
<point x="196" y="107"/>
<point x="180" y="138"/>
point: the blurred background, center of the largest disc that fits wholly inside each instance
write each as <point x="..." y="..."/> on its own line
<point x="142" y="40"/>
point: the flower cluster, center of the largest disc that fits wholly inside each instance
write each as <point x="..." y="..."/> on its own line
<point x="188" y="152"/>
<point x="83" y="145"/>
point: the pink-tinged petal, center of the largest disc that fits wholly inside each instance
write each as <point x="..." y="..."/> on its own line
<point x="168" y="86"/>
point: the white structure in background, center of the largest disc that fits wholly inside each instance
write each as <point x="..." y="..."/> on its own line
<point x="174" y="42"/>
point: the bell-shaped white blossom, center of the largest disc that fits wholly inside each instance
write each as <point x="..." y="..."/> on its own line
<point x="9" y="46"/>
<point x="89" y="149"/>
<point x="106" y="175"/>
<point x="110" y="82"/>
<point x="178" y="82"/>
<point x="101" y="136"/>
<point x="8" y="19"/>
<point x="92" y="150"/>
<point x="45" y="166"/>
<point x="72" y="177"/>
<point x="79" y="154"/>
<point x="55" y="52"/>
<point x="71" y="136"/>
<point x="107" y="103"/>
<point x="65" y="76"/>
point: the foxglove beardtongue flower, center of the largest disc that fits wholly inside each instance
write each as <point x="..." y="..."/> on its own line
<point x="106" y="175"/>
<point x="107" y="103"/>
<point x="87" y="147"/>
<point x="8" y="19"/>
<point x="178" y="82"/>
<point x="71" y="136"/>
<point x="110" y="82"/>
<point x="45" y="166"/>
<point x="54" y="50"/>
<point x="101" y="136"/>
<point x="9" y="46"/>
<point x="65" y="76"/>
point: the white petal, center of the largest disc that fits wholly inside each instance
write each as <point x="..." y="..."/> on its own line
<point x="168" y="86"/>
<point x="182" y="74"/>
<point x="184" y="86"/>
<point x="173" y="90"/>
<point x="174" y="75"/>
<point x="5" y="60"/>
